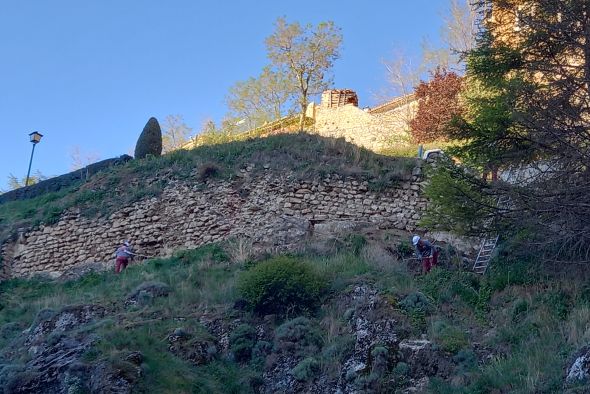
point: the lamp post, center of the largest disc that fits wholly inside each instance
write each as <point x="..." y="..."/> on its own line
<point x="35" y="138"/>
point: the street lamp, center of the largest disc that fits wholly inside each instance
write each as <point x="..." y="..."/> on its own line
<point x="35" y="138"/>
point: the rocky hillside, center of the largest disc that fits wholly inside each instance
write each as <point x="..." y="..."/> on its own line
<point x="347" y="314"/>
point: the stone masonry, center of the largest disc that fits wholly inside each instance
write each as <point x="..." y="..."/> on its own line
<point x="270" y="210"/>
<point x="375" y="129"/>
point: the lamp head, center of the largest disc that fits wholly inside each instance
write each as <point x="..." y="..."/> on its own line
<point x="35" y="137"/>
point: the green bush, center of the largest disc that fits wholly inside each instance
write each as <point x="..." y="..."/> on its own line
<point x="404" y="248"/>
<point x="150" y="140"/>
<point x="450" y="338"/>
<point x="298" y="336"/>
<point x="242" y="341"/>
<point x="306" y="370"/>
<point x="281" y="285"/>
<point x="414" y="302"/>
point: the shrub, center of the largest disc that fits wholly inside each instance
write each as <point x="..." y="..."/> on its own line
<point x="415" y="301"/>
<point x="241" y="342"/>
<point x="450" y="338"/>
<point x="306" y="370"/>
<point x="281" y="285"/>
<point x="404" y="248"/>
<point x="208" y="170"/>
<point x="150" y="140"/>
<point x="298" y="336"/>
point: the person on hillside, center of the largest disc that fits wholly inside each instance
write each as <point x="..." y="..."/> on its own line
<point x="123" y="255"/>
<point x="425" y="252"/>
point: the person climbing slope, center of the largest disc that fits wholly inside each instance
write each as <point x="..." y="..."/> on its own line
<point x="123" y="255"/>
<point x="425" y="252"/>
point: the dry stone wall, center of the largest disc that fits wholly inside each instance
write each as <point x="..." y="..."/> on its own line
<point x="272" y="211"/>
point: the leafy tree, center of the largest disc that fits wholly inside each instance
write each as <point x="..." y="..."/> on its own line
<point x="176" y="133"/>
<point x="438" y="104"/>
<point x="306" y="54"/>
<point x="150" y="140"/>
<point x="262" y="99"/>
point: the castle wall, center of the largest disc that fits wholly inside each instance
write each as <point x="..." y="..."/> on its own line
<point x="374" y="131"/>
<point x="270" y="210"/>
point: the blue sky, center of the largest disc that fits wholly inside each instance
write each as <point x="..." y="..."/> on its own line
<point x="89" y="73"/>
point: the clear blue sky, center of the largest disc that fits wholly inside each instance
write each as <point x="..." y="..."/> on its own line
<point x="90" y="73"/>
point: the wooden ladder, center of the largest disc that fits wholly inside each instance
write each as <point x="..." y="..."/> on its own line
<point x="485" y="254"/>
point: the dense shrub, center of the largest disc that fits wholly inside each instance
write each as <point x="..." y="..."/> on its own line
<point x="414" y="302"/>
<point x="298" y="336"/>
<point x="307" y="369"/>
<point x="242" y="341"/>
<point x="281" y="285"/>
<point x="150" y="140"/>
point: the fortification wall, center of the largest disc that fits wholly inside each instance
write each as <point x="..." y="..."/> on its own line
<point x="374" y="131"/>
<point x="270" y="210"/>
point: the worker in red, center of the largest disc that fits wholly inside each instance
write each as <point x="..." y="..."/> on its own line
<point x="123" y="255"/>
<point x="425" y="252"/>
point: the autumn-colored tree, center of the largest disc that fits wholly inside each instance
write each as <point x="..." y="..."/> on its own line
<point x="438" y="104"/>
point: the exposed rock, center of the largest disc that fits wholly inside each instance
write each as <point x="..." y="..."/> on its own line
<point x="106" y="378"/>
<point x="579" y="370"/>
<point x="372" y="324"/>
<point x="145" y="292"/>
<point x="55" y="345"/>
<point x="50" y="323"/>
<point x="424" y="359"/>
<point x="198" y="351"/>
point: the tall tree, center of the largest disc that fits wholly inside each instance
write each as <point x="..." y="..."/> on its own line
<point x="528" y="110"/>
<point x="306" y="54"/>
<point x="176" y="133"/>
<point x="262" y="99"/>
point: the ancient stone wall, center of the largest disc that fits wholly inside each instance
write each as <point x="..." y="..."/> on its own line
<point x="268" y="209"/>
<point x="374" y="131"/>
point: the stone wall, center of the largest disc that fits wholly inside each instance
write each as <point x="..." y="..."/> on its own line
<point x="374" y="129"/>
<point x="272" y="211"/>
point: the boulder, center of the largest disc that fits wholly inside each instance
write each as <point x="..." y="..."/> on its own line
<point x="146" y="292"/>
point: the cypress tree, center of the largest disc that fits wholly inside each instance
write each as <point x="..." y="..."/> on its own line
<point x="150" y="140"/>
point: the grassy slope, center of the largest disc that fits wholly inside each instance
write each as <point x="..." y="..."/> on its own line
<point x="308" y="156"/>
<point x="535" y="323"/>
